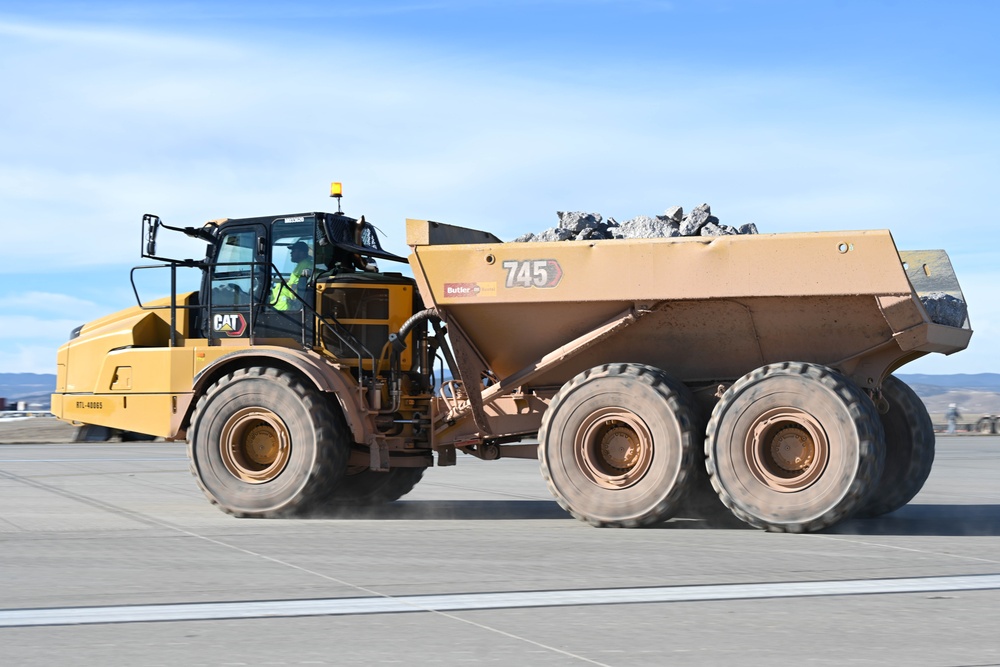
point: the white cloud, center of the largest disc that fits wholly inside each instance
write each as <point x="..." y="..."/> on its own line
<point x="37" y="329"/>
<point x="108" y="39"/>
<point x="46" y="302"/>
<point x="26" y="358"/>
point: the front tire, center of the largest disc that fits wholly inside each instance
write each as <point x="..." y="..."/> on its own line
<point x="616" y="445"/>
<point x="263" y="444"/>
<point x="794" y="447"/>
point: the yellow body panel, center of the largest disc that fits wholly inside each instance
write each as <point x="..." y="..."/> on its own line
<point x="122" y="372"/>
<point x="142" y="413"/>
<point x="83" y="360"/>
<point x="330" y="299"/>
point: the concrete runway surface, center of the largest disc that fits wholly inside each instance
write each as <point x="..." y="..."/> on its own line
<point x="110" y="555"/>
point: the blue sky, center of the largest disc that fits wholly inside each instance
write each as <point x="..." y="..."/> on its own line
<point x="797" y="116"/>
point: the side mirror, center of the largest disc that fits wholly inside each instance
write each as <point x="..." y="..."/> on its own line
<point x="150" y="225"/>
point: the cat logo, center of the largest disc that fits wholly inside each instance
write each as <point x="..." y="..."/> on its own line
<point x="231" y="324"/>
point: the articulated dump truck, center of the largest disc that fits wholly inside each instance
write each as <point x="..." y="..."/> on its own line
<point x="640" y="373"/>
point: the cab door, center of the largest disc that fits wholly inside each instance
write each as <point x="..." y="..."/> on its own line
<point x="236" y="281"/>
<point x="288" y="308"/>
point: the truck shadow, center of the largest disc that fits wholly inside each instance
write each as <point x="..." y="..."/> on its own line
<point x="447" y="510"/>
<point x="940" y="520"/>
<point x="491" y="510"/>
<point x="930" y="520"/>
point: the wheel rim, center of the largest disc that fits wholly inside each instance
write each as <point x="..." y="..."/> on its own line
<point x="255" y="445"/>
<point x="787" y="449"/>
<point x="614" y="448"/>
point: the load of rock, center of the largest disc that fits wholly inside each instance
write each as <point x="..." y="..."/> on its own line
<point x="578" y="226"/>
<point x="946" y="309"/>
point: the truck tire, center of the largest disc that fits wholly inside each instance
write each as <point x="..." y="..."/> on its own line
<point x="909" y="450"/>
<point x="617" y="445"/>
<point x="371" y="487"/>
<point x="133" y="436"/>
<point x="262" y="444"/>
<point x="92" y="433"/>
<point x="794" y="447"/>
<point x="986" y="425"/>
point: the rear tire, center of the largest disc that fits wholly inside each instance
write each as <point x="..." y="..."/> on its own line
<point x="986" y="425"/>
<point x="616" y="445"/>
<point x="794" y="447"/>
<point x="262" y="444"/>
<point x="909" y="449"/>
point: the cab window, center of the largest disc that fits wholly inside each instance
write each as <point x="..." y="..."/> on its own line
<point x="232" y="274"/>
<point x="292" y="254"/>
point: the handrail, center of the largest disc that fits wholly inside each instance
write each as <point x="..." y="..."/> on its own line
<point x="330" y="323"/>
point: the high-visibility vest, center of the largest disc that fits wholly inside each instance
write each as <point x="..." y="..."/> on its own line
<point x="284" y="297"/>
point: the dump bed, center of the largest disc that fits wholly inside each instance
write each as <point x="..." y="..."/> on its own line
<point x="702" y="309"/>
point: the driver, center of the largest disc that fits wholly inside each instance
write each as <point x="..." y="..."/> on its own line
<point x="283" y="297"/>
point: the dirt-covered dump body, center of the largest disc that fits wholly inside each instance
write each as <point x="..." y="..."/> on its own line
<point x="701" y="309"/>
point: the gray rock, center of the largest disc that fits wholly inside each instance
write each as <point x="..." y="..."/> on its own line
<point x="591" y="233"/>
<point x="945" y="309"/>
<point x="716" y="229"/>
<point x="580" y="226"/>
<point x="555" y="234"/>
<point x="525" y="238"/>
<point x="644" y="227"/>
<point x="577" y="221"/>
<point x="695" y="220"/>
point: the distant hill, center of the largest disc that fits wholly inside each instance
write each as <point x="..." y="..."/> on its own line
<point x="975" y="382"/>
<point x="32" y="388"/>
<point x="975" y="395"/>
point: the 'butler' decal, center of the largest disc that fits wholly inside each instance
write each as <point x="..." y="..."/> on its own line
<point x="231" y="324"/>
<point x="542" y="273"/>
<point x="470" y="289"/>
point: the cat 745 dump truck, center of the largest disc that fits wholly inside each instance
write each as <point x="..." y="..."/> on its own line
<point x="755" y="367"/>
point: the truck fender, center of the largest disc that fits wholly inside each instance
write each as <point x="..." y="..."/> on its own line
<point x="326" y="377"/>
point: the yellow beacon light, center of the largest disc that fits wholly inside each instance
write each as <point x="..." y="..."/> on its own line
<point x="336" y="191"/>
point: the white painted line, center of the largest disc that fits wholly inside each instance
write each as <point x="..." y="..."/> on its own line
<point x="10" y="618"/>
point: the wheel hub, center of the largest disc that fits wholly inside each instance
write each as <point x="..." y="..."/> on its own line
<point x="792" y="449"/>
<point x="613" y="447"/>
<point x="787" y="449"/>
<point x="262" y="445"/>
<point x="255" y="445"/>
<point x="619" y="448"/>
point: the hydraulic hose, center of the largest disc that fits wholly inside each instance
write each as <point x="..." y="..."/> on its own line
<point x="398" y="339"/>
